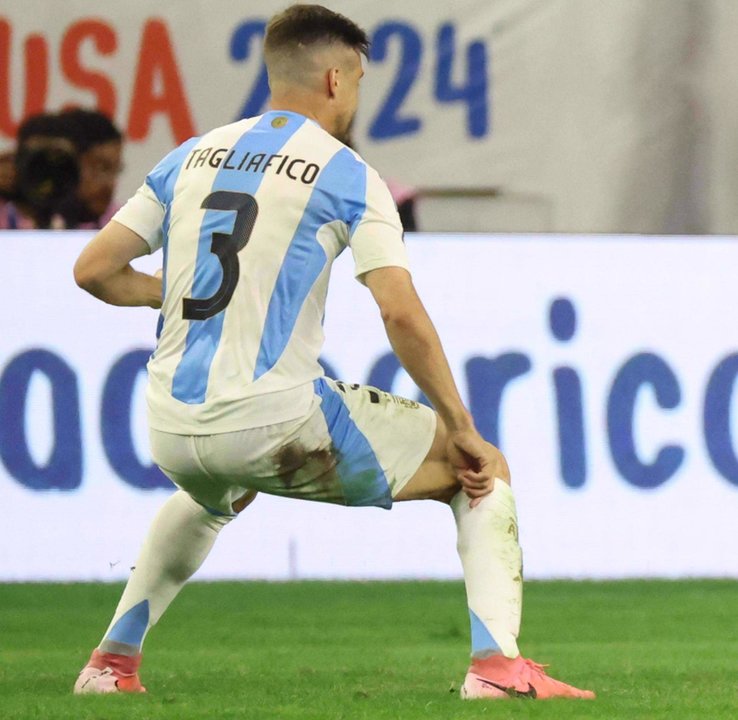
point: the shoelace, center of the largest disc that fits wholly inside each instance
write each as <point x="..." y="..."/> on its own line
<point x="536" y="667"/>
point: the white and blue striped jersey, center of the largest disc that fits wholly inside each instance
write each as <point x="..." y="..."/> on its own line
<point x="250" y="217"/>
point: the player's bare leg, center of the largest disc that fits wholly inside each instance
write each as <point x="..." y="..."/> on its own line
<point x="492" y="562"/>
<point x="180" y="538"/>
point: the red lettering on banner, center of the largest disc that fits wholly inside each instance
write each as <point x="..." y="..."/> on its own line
<point x="36" y="58"/>
<point x="106" y="43"/>
<point x="157" y="61"/>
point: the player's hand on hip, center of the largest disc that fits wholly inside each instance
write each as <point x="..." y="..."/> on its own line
<point x="477" y="464"/>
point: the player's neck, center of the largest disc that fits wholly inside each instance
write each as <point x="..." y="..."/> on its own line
<point x="301" y="106"/>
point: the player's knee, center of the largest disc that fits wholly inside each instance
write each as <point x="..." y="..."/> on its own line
<point x="244" y="501"/>
<point x="501" y="468"/>
<point x="446" y="495"/>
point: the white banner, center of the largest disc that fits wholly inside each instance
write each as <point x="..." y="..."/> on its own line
<point x="605" y="368"/>
<point x="584" y="117"/>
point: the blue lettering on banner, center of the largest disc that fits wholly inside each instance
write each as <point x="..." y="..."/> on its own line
<point x="476" y="90"/>
<point x="328" y="369"/>
<point x="63" y="470"/>
<point x="391" y="119"/>
<point x="241" y="41"/>
<point x="383" y="374"/>
<point x="569" y="406"/>
<point x="716" y="418"/>
<point x="388" y="123"/>
<point x="116" y="424"/>
<point x="645" y="369"/>
<point x="570" y="416"/>
<point x="488" y="378"/>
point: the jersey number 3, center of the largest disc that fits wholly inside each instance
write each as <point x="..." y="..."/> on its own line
<point x="225" y="246"/>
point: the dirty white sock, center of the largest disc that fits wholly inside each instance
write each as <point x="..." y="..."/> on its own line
<point x="493" y="574"/>
<point x="178" y="542"/>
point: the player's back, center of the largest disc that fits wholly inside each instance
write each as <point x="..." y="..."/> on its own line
<point x="254" y="214"/>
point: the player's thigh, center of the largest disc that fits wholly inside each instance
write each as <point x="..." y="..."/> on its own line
<point x="224" y="471"/>
<point x="435" y="478"/>
<point x="359" y="446"/>
<point x="378" y="440"/>
<point x="177" y="456"/>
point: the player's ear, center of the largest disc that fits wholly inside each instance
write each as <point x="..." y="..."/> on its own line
<point x="333" y="81"/>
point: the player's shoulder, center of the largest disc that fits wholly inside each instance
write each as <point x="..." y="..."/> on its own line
<point x="371" y="177"/>
<point x="311" y="132"/>
<point x="337" y="158"/>
<point x="230" y="130"/>
<point x="162" y="176"/>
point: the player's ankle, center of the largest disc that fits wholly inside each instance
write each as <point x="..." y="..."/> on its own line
<point x="121" y="665"/>
<point x="493" y="663"/>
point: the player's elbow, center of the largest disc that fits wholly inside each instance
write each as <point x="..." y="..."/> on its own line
<point x="399" y="320"/>
<point x="88" y="275"/>
<point x="398" y="309"/>
<point x="83" y="274"/>
<point x="394" y="315"/>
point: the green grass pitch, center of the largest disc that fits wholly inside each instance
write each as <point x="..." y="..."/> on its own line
<point x="651" y="649"/>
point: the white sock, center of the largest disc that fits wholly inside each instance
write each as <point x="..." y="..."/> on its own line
<point x="178" y="542"/>
<point x="493" y="573"/>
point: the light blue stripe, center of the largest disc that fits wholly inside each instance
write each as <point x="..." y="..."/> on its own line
<point x="131" y="627"/>
<point x="165" y="251"/>
<point x="362" y="477"/>
<point x="482" y="642"/>
<point x="162" y="180"/>
<point x="339" y="194"/>
<point x="190" y="381"/>
<point x="163" y="177"/>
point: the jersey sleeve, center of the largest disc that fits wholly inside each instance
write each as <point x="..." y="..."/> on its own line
<point x="376" y="239"/>
<point x="143" y="214"/>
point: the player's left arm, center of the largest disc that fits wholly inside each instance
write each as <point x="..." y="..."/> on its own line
<point x="381" y="264"/>
<point x="103" y="269"/>
<point x="414" y="339"/>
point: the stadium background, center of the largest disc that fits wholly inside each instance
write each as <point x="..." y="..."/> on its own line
<point x="604" y="365"/>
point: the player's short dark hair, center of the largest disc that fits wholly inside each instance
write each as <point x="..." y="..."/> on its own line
<point x="305" y="25"/>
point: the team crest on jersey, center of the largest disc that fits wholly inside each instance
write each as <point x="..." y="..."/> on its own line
<point x="279" y="122"/>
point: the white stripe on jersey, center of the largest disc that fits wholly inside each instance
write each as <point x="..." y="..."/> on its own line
<point x="242" y="328"/>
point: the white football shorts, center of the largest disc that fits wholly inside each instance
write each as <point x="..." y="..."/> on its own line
<point x="357" y="446"/>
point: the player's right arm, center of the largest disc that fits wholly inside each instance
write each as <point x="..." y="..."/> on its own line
<point x="416" y="343"/>
<point x="103" y="268"/>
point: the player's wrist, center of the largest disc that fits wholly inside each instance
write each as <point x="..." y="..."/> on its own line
<point x="458" y="421"/>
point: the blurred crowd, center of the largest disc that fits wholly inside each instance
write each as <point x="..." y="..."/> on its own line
<point x="62" y="173"/>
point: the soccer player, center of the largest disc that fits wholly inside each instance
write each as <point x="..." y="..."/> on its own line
<point x="250" y="217"/>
